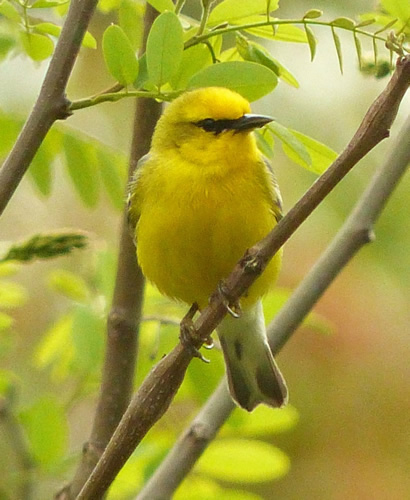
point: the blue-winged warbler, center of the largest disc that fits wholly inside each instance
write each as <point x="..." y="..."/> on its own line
<point x="199" y="199"/>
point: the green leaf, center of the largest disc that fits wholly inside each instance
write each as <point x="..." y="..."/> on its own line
<point x="130" y="19"/>
<point x="375" y="51"/>
<point x="313" y="14"/>
<point x="234" y="11"/>
<point x="164" y="48"/>
<point x="82" y="167"/>
<point x="273" y="302"/>
<point x="321" y="155"/>
<point x="6" y="321"/>
<point x="8" y="382"/>
<point x="6" y="44"/>
<point x="216" y="43"/>
<point x="358" y="47"/>
<point x="243" y="461"/>
<point x="47" y="430"/>
<point x="397" y="8"/>
<point x="344" y="22"/>
<point x="54" y="30"/>
<point x="285" y="74"/>
<point x="338" y="46"/>
<point x="203" y="488"/>
<point x="311" y="41"/>
<point x="37" y="47"/>
<point x="249" y="79"/>
<point x="319" y="324"/>
<point x="10" y="128"/>
<point x="283" y="32"/>
<point x="230" y="54"/>
<point x="9" y="268"/>
<point x="69" y="284"/>
<point x="130" y="478"/>
<point x="89" y="41"/>
<point x="263" y="421"/>
<point x="290" y="140"/>
<point x="143" y="79"/>
<point x="162" y="5"/>
<point x="48" y="28"/>
<point x="46" y="246"/>
<point x="40" y="170"/>
<point x="388" y="25"/>
<point x="265" y="143"/>
<point x="108" y="5"/>
<point x="105" y="272"/>
<point x="12" y="295"/>
<point x="88" y="338"/>
<point x="367" y="21"/>
<point x="56" y="349"/>
<point x="8" y="10"/>
<point x="254" y="52"/>
<point x="114" y="178"/>
<point x="119" y="55"/>
<point x="193" y="60"/>
<point x="47" y="4"/>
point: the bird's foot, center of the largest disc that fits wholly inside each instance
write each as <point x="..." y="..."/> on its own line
<point x="188" y="334"/>
<point x="232" y="306"/>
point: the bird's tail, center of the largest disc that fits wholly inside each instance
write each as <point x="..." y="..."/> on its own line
<point x="253" y="375"/>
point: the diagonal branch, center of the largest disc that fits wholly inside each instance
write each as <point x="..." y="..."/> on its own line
<point x="159" y="388"/>
<point x="51" y="104"/>
<point x="125" y="315"/>
<point x="355" y="233"/>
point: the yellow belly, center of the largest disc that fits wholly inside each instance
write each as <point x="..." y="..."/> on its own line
<point x="190" y="236"/>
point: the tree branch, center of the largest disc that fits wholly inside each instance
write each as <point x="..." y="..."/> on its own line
<point x="51" y="103"/>
<point x="125" y="315"/>
<point x="158" y="389"/>
<point x="356" y="232"/>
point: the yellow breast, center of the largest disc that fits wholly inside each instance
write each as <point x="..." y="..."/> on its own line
<point x="195" y="224"/>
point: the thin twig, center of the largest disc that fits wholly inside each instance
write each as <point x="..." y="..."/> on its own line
<point x="93" y="100"/>
<point x="200" y="38"/>
<point x="356" y="231"/>
<point x="51" y="104"/>
<point x="206" y="10"/>
<point x="178" y="6"/>
<point x="125" y="315"/>
<point x="159" y="388"/>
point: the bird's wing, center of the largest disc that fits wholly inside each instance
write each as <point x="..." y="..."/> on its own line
<point x="274" y="192"/>
<point x="134" y="194"/>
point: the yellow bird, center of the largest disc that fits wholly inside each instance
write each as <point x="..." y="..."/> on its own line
<point x="199" y="199"/>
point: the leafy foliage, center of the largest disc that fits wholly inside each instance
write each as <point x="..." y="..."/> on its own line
<point x="87" y="161"/>
<point x="119" y="55"/>
<point x="45" y="247"/>
<point x="26" y="32"/>
<point x="182" y="53"/>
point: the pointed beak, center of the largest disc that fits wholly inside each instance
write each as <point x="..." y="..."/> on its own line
<point x="250" y="121"/>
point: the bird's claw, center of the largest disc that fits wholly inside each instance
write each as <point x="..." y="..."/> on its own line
<point x="209" y="343"/>
<point x="188" y="335"/>
<point x="232" y="306"/>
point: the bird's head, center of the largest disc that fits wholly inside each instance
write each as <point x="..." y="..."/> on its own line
<point x="207" y="123"/>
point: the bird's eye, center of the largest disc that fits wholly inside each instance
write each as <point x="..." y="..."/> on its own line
<point x="209" y="125"/>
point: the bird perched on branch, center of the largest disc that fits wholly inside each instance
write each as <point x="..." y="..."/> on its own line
<point x="199" y="199"/>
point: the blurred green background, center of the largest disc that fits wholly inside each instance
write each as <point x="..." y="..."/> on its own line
<point x="350" y="388"/>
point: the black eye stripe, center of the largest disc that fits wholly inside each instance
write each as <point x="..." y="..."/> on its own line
<point x="215" y="126"/>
